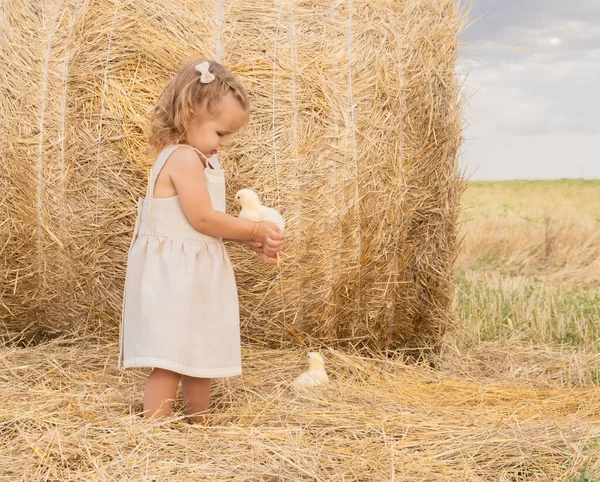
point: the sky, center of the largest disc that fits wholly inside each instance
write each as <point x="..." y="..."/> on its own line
<point x="533" y="102"/>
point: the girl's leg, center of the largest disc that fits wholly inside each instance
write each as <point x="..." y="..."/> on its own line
<point x="161" y="388"/>
<point x="196" y="396"/>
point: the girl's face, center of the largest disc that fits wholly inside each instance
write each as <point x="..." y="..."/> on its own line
<point x="211" y="133"/>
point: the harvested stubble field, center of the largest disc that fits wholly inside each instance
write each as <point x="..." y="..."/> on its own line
<point x="513" y="395"/>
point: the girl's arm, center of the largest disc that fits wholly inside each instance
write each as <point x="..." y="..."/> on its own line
<point x="187" y="174"/>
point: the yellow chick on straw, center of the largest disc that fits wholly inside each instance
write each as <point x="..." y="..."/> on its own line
<point x="315" y="375"/>
<point x="253" y="210"/>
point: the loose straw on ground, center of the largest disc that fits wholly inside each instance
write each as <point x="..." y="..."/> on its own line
<point x="67" y="414"/>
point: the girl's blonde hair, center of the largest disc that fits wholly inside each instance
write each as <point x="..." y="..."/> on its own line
<point x="184" y="92"/>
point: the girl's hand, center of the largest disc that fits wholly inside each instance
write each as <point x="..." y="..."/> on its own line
<point x="266" y="259"/>
<point x="269" y="235"/>
<point x="258" y="248"/>
<point x="254" y="246"/>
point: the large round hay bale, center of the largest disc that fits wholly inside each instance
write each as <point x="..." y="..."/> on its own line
<point x="354" y="136"/>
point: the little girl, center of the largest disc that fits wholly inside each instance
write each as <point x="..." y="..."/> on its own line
<point x="180" y="306"/>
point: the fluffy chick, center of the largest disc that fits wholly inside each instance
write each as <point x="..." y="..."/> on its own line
<point x="315" y="375"/>
<point x="253" y="210"/>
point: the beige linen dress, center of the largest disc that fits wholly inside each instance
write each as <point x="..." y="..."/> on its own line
<point x="180" y="306"/>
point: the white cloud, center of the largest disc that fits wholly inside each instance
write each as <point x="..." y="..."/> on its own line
<point x="535" y="98"/>
<point x="534" y="113"/>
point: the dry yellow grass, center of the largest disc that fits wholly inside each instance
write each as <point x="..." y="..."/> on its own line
<point x="499" y="413"/>
<point x="549" y="229"/>
<point x="529" y="266"/>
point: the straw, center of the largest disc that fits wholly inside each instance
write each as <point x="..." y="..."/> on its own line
<point x="355" y="129"/>
<point x="68" y="414"/>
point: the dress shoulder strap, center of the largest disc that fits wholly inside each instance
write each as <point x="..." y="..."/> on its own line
<point x="162" y="159"/>
<point x="205" y="160"/>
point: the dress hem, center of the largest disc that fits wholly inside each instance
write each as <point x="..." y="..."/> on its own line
<point x="182" y="369"/>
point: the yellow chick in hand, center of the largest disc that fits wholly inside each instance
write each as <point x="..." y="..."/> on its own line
<point x="253" y="210"/>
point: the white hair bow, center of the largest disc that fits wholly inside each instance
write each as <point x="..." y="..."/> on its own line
<point x="206" y="77"/>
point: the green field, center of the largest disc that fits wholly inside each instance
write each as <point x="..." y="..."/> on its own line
<point x="529" y="264"/>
